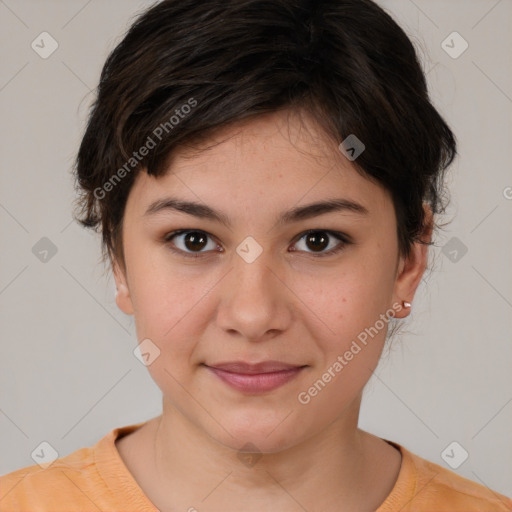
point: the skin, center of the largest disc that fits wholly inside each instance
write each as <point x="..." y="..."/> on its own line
<point x="287" y="305"/>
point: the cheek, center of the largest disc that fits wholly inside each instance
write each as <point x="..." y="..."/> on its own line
<point x="349" y="341"/>
<point x="170" y="310"/>
<point x="168" y="301"/>
<point x="349" y="325"/>
<point x="348" y="300"/>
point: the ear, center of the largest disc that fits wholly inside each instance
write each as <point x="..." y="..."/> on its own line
<point x="123" y="298"/>
<point x="410" y="270"/>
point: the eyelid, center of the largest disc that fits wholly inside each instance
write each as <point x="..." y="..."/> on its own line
<point x="343" y="239"/>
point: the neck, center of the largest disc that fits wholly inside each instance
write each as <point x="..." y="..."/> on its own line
<point x="323" y="472"/>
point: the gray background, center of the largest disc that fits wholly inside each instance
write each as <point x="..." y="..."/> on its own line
<point x="67" y="371"/>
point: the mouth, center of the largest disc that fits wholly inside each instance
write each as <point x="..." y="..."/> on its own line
<point x="255" y="378"/>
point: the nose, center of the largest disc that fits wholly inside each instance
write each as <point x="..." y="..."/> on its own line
<point x="255" y="303"/>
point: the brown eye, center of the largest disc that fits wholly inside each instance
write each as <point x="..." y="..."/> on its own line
<point x="189" y="242"/>
<point x="195" y="241"/>
<point x="316" y="241"/>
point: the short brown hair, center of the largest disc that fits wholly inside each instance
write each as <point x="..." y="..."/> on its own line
<point x="346" y="63"/>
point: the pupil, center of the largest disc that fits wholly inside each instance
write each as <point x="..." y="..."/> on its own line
<point x="195" y="238"/>
<point x="314" y="236"/>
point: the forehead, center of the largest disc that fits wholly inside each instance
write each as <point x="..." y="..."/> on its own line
<point x="273" y="159"/>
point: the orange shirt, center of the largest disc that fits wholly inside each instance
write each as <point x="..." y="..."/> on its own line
<point x="96" y="478"/>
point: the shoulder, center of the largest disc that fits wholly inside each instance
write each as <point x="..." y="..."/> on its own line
<point x="426" y="486"/>
<point x="91" y="478"/>
<point x="34" y="485"/>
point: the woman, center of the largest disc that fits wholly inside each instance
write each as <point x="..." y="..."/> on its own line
<point x="266" y="176"/>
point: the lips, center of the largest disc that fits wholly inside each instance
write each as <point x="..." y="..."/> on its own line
<point x="255" y="378"/>
<point x="251" y="369"/>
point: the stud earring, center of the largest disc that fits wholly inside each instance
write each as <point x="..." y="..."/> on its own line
<point x="406" y="304"/>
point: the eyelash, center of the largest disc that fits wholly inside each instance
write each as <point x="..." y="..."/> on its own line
<point x="341" y="237"/>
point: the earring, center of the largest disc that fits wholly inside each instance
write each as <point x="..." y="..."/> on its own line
<point x="406" y="304"/>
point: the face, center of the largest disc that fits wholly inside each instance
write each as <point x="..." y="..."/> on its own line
<point x="254" y="286"/>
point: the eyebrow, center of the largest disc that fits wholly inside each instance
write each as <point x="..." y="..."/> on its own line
<point x="295" y="214"/>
